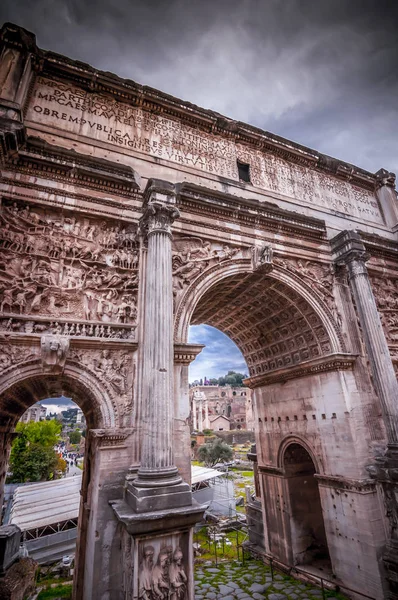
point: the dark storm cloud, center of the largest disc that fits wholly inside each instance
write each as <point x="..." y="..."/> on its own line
<point x="320" y="72"/>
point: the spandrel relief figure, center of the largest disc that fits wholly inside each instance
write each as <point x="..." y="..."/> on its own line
<point x="178" y="577"/>
<point x="191" y="256"/>
<point x="113" y="370"/>
<point x="160" y="576"/>
<point x="145" y="574"/>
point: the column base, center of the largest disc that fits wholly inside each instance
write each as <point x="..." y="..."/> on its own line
<point x="146" y="497"/>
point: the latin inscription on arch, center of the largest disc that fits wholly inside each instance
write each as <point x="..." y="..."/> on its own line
<point x="104" y="119"/>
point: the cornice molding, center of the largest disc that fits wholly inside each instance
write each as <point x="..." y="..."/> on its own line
<point x="253" y="213"/>
<point x="331" y="362"/>
<point x="57" y="196"/>
<point x="341" y="483"/>
<point x="186" y="353"/>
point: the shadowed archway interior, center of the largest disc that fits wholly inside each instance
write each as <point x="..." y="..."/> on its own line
<point x="272" y="324"/>
<point x="309" y="537"/>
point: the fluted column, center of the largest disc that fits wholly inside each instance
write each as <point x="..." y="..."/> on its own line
<point x="200" y="424"/>
<point x="349" y="250"/>
<point x="207" y="423"/>
<point x="157" y="469"/>
<point x="194" y="413"/>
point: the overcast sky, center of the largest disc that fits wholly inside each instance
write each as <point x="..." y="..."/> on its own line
<point x="323" y="73"/>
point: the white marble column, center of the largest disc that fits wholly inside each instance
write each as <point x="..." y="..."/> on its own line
<point x="157" y="469"/>
<point x="207" y="423"/>
<point x="200" y="424"/>
<point x="194" y="413"/>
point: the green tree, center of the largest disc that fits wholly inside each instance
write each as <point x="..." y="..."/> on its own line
<point x="232" y="378"/>
<point x="75" y="437"/>
<point x="33" y="457"/>
<point x="214" y="452"/>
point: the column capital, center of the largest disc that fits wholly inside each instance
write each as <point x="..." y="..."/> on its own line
<point x="160" y="210"/>
<point x="348" y="247"/>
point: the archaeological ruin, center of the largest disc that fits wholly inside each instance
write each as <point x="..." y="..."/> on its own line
<point x="127" y="215"/>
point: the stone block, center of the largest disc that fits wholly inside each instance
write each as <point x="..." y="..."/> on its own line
<point x="10" y="538"/>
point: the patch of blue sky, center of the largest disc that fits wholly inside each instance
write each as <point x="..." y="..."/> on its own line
<point x="219" y="356"/>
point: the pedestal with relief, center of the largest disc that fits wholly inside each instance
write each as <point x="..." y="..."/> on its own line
<point x="157" y="513"/>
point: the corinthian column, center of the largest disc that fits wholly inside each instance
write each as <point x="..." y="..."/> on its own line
<point x="349" y="250"/>
<point x="158" y="476"/>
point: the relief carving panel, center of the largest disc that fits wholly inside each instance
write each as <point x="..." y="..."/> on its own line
<point x="162" y="573"/>
<point x="66" y="267"/>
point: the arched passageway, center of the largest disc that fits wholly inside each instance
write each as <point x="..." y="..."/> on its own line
<point x="305" y="390"/>
<point x="23" y="386"/>
<point x="306" y="518"/>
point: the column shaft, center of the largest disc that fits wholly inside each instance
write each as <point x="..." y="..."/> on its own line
<point x="376" y="346"/>
<point x="158" y="355"/>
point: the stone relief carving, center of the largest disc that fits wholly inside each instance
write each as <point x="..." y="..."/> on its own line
<point x="165" y="579"/>
<point x="114" y="367"/>
<point x="12" y="355"/>
<point x="386" y="296"/>
<point x="319" y="277"/>
<point x="54" y="350"/>
<point x="191" y="256"/>
<point x="262" y="258"/>
<point x="66" y="266"/>
<point x="71" y="329"/>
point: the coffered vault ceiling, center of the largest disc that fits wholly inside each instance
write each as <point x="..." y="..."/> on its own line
<point x="273" y="326"/>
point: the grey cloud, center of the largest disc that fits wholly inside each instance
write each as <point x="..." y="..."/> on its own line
<point x="323" y="73"/>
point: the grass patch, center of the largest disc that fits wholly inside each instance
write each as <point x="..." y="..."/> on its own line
<point x="61" y="591"/>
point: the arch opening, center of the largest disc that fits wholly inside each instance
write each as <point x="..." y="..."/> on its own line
<point x="306" y="518"/>
<point x="272" y="324"/>
<point x="277" y="327"/>
<point x="20" y="389"/>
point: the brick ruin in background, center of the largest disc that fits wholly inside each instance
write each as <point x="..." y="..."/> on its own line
<point x="127" y="215"/>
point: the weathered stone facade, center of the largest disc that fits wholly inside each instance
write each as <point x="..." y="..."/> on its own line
<point x="123" y="221"/>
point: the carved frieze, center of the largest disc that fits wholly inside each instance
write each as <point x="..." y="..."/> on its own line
<point x="29" y="325"/>
<point x="66" y="266"/>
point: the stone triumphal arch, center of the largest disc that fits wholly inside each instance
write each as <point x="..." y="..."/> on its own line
<point x="127" y="215"/>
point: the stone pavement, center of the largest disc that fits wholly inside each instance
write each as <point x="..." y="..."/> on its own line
<point x="232" y="581"/>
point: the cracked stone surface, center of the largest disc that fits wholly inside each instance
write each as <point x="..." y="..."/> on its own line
<point x="234" y="581"/>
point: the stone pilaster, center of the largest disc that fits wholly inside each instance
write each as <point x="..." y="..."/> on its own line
<point x="158" y="484"/>
<point x="349" y="250"/>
